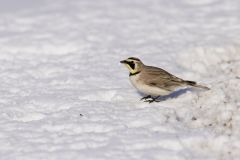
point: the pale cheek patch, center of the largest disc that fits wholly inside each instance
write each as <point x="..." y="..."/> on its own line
<point x="129" y="68"/>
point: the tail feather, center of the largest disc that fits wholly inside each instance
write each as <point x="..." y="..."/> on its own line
<point x="194" y="84"/>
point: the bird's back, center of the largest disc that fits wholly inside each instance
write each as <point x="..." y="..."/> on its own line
<point x="160" y="78"/>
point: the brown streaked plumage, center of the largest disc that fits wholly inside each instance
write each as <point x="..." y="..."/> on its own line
<point x="153" y="81"/>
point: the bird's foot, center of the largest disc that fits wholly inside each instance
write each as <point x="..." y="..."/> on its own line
<point x="152" y="100"/>
<point x="145" y="98"/>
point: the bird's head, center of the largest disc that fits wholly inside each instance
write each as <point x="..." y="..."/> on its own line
<point x="133" y="64"/>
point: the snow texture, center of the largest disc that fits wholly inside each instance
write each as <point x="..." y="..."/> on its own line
<point x="65" y="96"/>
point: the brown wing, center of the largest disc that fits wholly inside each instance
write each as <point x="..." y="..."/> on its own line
<point x="161" y="78"/>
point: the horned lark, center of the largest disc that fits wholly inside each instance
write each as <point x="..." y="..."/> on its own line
<point x="154" y="82"/>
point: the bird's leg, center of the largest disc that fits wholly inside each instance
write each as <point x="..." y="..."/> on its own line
<point x="145" y="98"/>
<point x="153" y="99"/>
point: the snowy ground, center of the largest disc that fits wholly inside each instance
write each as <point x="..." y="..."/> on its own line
<point x="64" y="94"/>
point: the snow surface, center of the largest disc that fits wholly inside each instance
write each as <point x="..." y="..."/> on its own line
<point x="65" y="96"/>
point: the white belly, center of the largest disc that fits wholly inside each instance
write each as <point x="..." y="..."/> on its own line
<point x="146" y="89"/>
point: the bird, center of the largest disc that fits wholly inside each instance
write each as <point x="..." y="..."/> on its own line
<point x="154" y="82"/>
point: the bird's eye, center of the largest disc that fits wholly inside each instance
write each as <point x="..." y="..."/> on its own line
<point x="132" y="64"/>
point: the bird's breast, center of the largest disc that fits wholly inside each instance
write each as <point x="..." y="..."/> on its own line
<point x="135" y="80"/>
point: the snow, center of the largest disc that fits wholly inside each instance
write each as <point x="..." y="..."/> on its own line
<point x="64" y="94"/>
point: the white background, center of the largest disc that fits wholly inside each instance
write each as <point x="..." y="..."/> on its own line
<point x="65" y="96"/>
